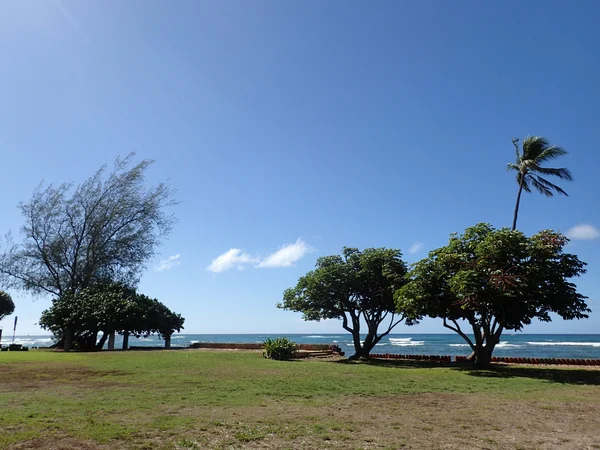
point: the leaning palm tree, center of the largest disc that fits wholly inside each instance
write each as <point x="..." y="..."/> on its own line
<point x="536" y="150"/>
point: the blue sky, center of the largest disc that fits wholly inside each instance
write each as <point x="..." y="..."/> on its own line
<point x="292" y="129"/>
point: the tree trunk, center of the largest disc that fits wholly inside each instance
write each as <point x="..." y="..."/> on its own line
<point x="125" y="340"/>
<point x="102" y="340"/>
<point x="483" y="357"/>
<point x="360" y="353"/>
<point x="369" y="344"/>
<point x="363" y="350"/>
<point x="91" y="341"/>
<point x="111" y="340"/>
<point x="357" y="344"/>
<point x="514" y="225"/>
<point x="168" y="341"/>
<point x="68" y="341"/>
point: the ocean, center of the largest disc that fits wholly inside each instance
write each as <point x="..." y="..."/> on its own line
<point x="511" y="344"/>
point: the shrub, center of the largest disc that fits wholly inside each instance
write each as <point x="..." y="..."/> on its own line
<point x="281" y="349"/>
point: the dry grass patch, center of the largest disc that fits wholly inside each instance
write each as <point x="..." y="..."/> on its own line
<point x="60" y="443"/>
<point x="29" y="375"/>
<point x="419" y="421"/>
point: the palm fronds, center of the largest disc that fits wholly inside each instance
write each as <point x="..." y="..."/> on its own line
<point x="537" y="150"/>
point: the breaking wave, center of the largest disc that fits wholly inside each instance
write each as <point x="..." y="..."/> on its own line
<point x="568" y="344"/>
<point x="507" y="345"/>
<point x="405" y="342"/>
<point x="499" y="345"/>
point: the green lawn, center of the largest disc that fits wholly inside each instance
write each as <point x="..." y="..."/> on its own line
<point x="225" y="399"/>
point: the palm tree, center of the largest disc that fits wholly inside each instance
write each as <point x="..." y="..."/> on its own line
<point x="536" y="150"/>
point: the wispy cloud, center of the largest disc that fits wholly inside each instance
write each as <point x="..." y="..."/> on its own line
<point x="69" y="18"/>
<point x="168" y="263"/>
<point x="287" y="255"/>
<point x="416" y="247"/>
<point x="232" y="258"/>
<point x="583" y="232"/>
<point x="236" y="258"/>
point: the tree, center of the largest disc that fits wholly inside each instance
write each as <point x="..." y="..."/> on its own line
<point x="536" y="151"/>
<point x="353" y="287"/>
<point x="105" y="228"/>
<point x="108" y="308"/>
<point x="494" y="280"/>
<point x="161" y="320"/>
<point x="7" y="305"/>
<point x="77" y="318"/>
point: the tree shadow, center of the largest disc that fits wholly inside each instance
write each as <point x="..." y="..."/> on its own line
<point x="396" y="363"/>
<point x="561" y="375"/>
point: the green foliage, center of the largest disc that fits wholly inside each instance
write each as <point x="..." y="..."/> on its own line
<point x="494" y="280"/>
<point x="536" y="151"/>
<point x="108" y="307"/>
<point x="7" y="305"/>
<point x="353" y="287"/>
<point x="280" y="349"/>
<point x="105" y="228"/>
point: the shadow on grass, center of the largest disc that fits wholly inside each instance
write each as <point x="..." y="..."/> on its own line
<point x="391" y="363"/>
<point x="553" y="374"/>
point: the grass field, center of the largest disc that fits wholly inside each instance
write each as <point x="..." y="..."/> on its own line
<point x="194" y="399"/>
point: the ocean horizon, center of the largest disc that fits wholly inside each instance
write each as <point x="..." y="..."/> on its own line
<point x="511" y="344"/>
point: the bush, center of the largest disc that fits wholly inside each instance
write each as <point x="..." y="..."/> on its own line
<point x="281" y="349"/>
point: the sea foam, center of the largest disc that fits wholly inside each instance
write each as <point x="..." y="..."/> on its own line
<point x="405" y="342"/>
<point x="567" y="344"/>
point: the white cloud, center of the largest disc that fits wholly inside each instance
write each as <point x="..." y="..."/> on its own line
<point x="583" y="232"/>
<point x="168" y="263"/>
<point x="287" y="255"/>
<point x="417" y="246"/>
<point x="232" y="258"/>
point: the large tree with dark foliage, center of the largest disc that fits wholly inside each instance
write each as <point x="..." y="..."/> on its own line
<point x="106" y="228"/>
<point x="494" y="280"/>
<point x="108" y="308"/>
<point x="356" y="287"/>
<point x="7" y="305"/>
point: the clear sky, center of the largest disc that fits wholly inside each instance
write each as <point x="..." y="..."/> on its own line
<point x="309" y="125"/>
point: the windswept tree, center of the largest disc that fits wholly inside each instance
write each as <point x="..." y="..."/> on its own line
<point x="106" y="228"/>
<point x="536" y="151"/>
<point x="494" y="280"/>
<point x="7" y="306"/>
<point x="356" y="287"/>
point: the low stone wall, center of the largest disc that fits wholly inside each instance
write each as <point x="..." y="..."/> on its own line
<point x="412" y="357"/>
<point x="563" y="361"/>
<point x="257" y="346"/>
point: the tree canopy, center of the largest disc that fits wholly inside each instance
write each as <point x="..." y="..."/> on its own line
<point x="536" y="151"/>
<point x="357" y="286"/>
<point x="108" y="308"/>
<point x="494" y="280"/>
<point x="105" y="228"/>
<point x="7" y="306"/>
